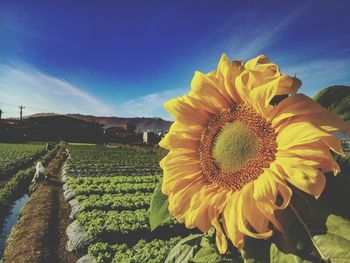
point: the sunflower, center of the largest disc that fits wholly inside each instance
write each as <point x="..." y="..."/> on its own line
<point x="233" y="149"/>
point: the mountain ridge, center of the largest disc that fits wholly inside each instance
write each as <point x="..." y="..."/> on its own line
<point x="337" y="99"/>
<point x="141" y="123"/>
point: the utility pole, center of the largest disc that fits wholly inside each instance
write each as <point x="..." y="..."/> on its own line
<point x="21" y="114"/>
<point x="1" y="112"/>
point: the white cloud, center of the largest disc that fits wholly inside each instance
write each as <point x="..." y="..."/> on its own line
<point x="321" y="73"/>
<point x="39" y="92"/>
<point x="255" y="35"/>
<point x="23" y="85"/>
<point x="150" y="105"/>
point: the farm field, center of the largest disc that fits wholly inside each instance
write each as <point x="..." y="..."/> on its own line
<point x="113" y="187"/>
<point x="15" y="157"/>
<point x="94" y="207"/>
<point x="17" y="170"/>
<point x="101" y="212"/>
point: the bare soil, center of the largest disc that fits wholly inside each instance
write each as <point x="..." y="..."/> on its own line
<point x="40" y="233"/>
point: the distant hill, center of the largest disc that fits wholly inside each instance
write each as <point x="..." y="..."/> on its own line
<point x="336" y="99"/>
<point x="142" y="124"/>
<point x="42" y="114"/>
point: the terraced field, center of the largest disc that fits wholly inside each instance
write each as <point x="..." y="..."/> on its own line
<point x="113" y="189"/>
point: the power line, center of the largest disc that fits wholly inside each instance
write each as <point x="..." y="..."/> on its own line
<point x="28" y="107"/>
<point x="7" y="104"/>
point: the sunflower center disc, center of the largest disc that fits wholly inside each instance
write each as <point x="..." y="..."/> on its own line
<point x="234" y="146"/>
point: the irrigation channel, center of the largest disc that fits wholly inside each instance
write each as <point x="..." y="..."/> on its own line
<point x="10" y="220"/>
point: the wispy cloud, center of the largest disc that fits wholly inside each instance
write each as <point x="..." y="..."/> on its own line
<point x="321" y="73"/>
<point x="254" y="38"/>
<point x="315" y="75"/>
<point x="150" y="105"/>
<point x="29" y="86"/>
<point x="245" y="35"/>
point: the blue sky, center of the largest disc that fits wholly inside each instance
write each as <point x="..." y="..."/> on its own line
<point x="125" y="58"/>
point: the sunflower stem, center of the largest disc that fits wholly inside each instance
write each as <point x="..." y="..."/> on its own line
<point x="308" y="232"/>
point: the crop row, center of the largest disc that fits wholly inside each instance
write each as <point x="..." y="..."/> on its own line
<point x="99" y="222"/>
<point x="21" y="181"/>
<point x="112" y="188"/>
<point x="85" y="154"/>
<point x="122" y="163"/>
<point x="81" y="198"/>
<point x="155" y="251"/>
<point x="117" y="171"/>
<point x="116" y="160"/>
<point x="115" y="202"/>
<point x="113" y="180"/>
<point x="18" y="156"/>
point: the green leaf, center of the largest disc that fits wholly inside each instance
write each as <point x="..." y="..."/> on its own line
<point x="255" y="250"/>
<point x="313" y="232"/>
<point x="206" y="242"/>
<point x="159" y="212"/>
<point x="337" y="190"/>
<point x="277" y="255"/>
<point x="184" y="251"/>
<point x="208" y="246"/>
<point x="207" y="255"/>
<point x="208" y="239"/>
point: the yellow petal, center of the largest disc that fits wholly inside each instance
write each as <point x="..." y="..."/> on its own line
<point x="329" y="122"/>
<point x="300" y="133"/>
<point x="244" y="83"/>
<point x="199" y="103"/>
<point x="179" y="157"/>
<point x="315" y="154"/>
<point x="262" y="95"/>
<point x="261" y="81"/>
<point x="180" y="140"/>
<point x="180" y="201"/>
<point x="220" y="238"/>
<point x="266" y="189"/>
<point x="180" y="168"/>
<point x="268" y="186"/>
<point x="325" y="120"/>
<point x="304" y="177"/>
<point x="247" y="212"/>
<point x="252" y="63"/>
<point x="203" y="206"/>
<point x="229" y="220"/>
<point x="295" y="105"/>
<point x="205" y="89"/>
<point x="187" y="113"/>
<point x="262" y="70"/>
<point x="194" y="131"/>
<point x="288" y="85"/>
<point x="226" y="74"/>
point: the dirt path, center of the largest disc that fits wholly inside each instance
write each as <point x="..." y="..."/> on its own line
<point x="39" y="235"/>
